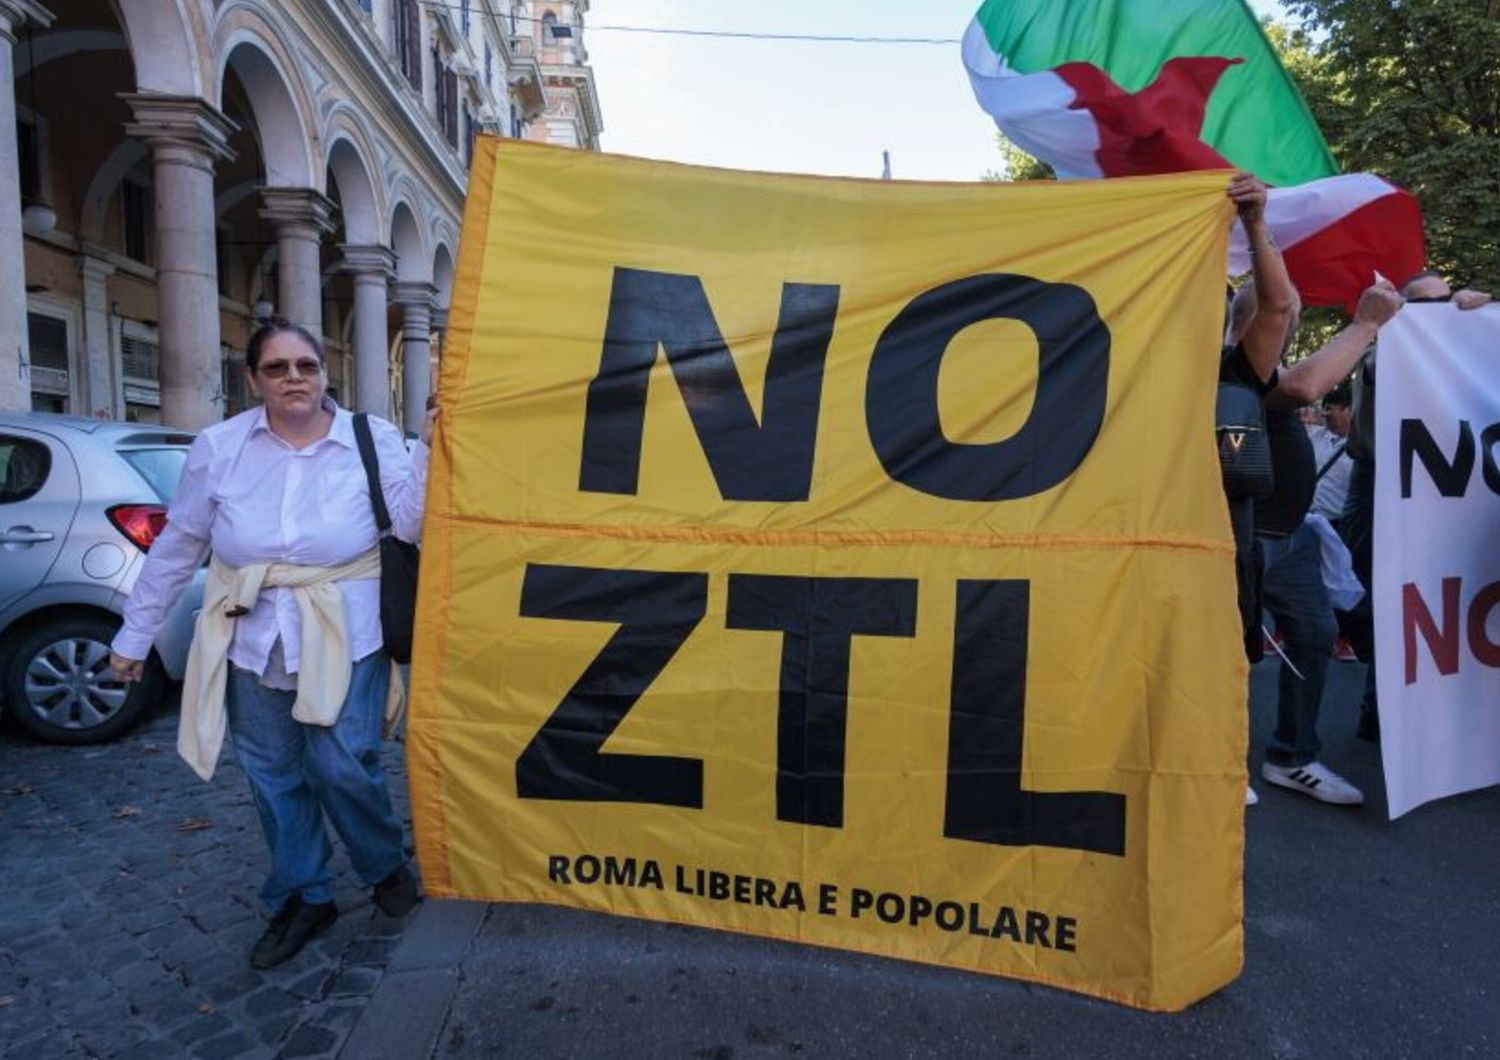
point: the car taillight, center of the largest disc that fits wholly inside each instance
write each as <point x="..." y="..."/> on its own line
<point x="142" y="523"/>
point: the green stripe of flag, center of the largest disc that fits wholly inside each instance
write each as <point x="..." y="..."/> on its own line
<point x="1256" y="118"/>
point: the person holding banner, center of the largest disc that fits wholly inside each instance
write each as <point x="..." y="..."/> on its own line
<point x="1292" y="584"/>
<point x="287" y="652"/>
<point x="1358" y="522"/>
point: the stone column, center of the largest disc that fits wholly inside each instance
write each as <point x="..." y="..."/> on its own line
<point x="416" y="301"/>
<point x="15" y="351"/>
<point x="301" y="217"/>
<point x="186" y="137"/>
<point x="372" y="268"/>
<point x="103" y="388"/>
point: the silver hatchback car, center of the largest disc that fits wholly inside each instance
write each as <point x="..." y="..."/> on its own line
<point x="80" y="503"/>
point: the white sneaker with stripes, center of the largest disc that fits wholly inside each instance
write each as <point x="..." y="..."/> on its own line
<point x="1316" y="780"/>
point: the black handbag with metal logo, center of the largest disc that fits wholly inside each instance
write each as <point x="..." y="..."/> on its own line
<point x="1244" y="449"/>
<point x="398" y="559"/>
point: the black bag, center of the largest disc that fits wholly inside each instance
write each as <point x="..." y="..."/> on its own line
<point x="1244" y="449"/>
<point x="398" y="559"/>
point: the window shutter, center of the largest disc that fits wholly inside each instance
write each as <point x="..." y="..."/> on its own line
<point x="414" y="44"/>
<point x="450" y="106"/>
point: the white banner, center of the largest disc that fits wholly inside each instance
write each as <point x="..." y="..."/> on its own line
<point x="1437" y="552"/>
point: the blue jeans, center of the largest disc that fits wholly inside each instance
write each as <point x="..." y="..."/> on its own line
<point x="298" y="772"/>
<point x="1293" y="592"/>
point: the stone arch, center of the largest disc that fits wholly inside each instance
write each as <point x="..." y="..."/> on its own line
<point x="357" y="192"/>
<point x="283" y="127"/>
<point x="442" y="272"/>
<point x="413" y="262"/>
<point x="59" y="44"/>
<point x="162" y="46"/>
<point x="101" y="190"/>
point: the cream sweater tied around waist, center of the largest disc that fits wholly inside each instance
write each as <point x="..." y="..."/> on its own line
<point x="324" y="673"/>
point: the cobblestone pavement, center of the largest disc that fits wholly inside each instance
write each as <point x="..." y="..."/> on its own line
<point x="128" y="907"/>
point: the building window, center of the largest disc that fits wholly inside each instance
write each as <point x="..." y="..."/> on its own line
<point x="489" y="66"/>
<point x="406" y="39"/>
<point x="463" y="16"/>
<point x="470" y="129"/>
<point x="140" y="359"/>
<point x="50" y="383"/>
<point x="549" y="27"/>
<point x="135" y="220"/>
<point x="447" y="106"/>
<point x="140" y="364"/>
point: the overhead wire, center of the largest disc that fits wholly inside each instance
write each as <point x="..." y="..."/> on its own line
<point x="724" y="34"/>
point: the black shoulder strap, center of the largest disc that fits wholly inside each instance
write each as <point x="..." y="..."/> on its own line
<point x="366" y="445"/>
<point x="1334" y="459"/>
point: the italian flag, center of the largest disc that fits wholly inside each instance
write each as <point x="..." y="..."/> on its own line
<point x="1117" y="88"/>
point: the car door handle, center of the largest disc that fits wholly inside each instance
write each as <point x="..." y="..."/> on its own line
<point x="24" y="535"/>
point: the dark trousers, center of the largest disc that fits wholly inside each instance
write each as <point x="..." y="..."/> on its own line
<point x="1292" y="589"/>
<point x="1357" y="528"/>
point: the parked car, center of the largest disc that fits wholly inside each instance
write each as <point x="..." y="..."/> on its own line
<point x="80" y="503"/>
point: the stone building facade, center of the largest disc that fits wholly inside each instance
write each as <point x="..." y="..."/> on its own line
<point x="172" y="171"/>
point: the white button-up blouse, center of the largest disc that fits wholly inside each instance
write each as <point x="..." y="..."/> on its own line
<point x="250" y="497"/>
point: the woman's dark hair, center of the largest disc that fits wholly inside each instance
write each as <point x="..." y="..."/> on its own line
<point x="278" y="326"/>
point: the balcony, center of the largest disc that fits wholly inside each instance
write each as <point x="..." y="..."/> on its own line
<point x="525" y="76"/>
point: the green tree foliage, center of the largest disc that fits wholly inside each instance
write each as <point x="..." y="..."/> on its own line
<point x="1410" y="90"/>
<point x="1016" y="164"/>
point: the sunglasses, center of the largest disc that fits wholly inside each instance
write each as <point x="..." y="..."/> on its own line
<point x="306" y="366"/>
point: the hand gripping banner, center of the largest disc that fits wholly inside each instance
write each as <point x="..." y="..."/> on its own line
<point x="842" y="562"/>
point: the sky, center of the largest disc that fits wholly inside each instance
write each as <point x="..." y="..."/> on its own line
<point x="793" y="106"/>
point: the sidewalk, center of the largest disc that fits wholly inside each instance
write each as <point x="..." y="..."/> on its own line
<point x="1363" y="939"/>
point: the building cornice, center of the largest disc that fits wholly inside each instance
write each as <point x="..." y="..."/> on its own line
<point x="581" y="80"/>
<point x="16" y="13"/>
<point x="391" y="96"/>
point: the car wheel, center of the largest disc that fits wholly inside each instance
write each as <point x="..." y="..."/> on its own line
<point x="59" y="688"/>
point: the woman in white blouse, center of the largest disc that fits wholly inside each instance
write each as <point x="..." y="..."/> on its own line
<point x="279" y="496"/>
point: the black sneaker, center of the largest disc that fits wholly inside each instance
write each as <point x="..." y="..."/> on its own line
<point x="396" y="895"/>
<point x="290" y="930"/>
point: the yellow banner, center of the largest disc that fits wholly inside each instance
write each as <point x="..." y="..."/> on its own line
<point x="839" y="561"/>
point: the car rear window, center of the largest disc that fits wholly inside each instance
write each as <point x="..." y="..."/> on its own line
<point x="161" y="468"/>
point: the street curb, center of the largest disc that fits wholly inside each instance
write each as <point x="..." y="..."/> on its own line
<point x="405" y="1015"/>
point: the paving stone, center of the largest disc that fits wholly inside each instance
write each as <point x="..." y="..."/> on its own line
<point x="309" y="1040"/>
<point x="220" y="914"/>
<point x="147" y="974"/>
<point x="369" y="951"/>
<point x="53" y="1044"/>
<point x="269" y="1001"/>
<point x="234" y="987"/>
<point x="151" y="1049"/>
<point x="226" y="1047"/>
<point x="111" y="1011"/>
<point x="311" y="986"/>
<point x="189" y="949"/>
<point x="202" y="1027"/>
<point x="354" y="982"/>
<point x="118" y="931"/>
<point x="104" y="1041"/>
<point x="168" y="1009"/>
<point x="212" y="968"/>
<point x="26" y="1018"/>
<point x="272" y="1029"/>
